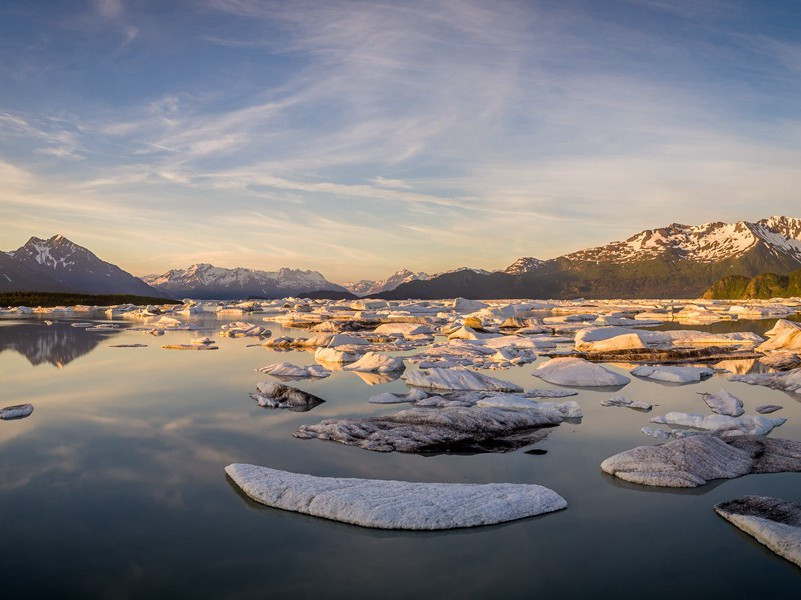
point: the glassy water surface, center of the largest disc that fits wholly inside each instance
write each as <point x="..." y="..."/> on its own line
<point x="114" y="487"/>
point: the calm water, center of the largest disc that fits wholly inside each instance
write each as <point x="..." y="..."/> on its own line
<point x="115" y="488"/>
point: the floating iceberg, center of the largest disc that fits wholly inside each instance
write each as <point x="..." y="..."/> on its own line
<point x="578" y="372"/>
<point x="387" y="504"/>
<point x="18" y="411"/>
<point x="373" y="362"/>
<point x="277" y="395"/>
<point x="723" y="403"/>
<point x="693" y="461"/>
<point x="458" y="379"/>
<point x="673" y="374"/>
<point x="426" y="430"/>
<point x="772" y="522"/>
<point x="745" y="425"/>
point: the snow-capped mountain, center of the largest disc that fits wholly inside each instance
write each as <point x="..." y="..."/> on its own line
<point x="366" y="287"/>
<point x="708" y="243"/>
<point x="203" y="280"/>
<point x="677" y="261"/>
<point x="59" y="265"/>
<point x="525" y="264"/>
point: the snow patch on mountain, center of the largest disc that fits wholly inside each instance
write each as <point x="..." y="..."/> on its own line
<point x="708" y="243"/>
<point x="525" y="264"/>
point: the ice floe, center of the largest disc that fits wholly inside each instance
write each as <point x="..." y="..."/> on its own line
<point x="578" y="372"/>
<point x="374" y="362"/>
<point x="693" y="461"/>
<point x="789" y="381"/>
<point x="458" y="379"/>
<point x="428" y="430"/>
<point x="386" y="504"/>
<point x="287" y="369"/>
<point x="271" y="394"/>
<point x="723" y="403"/>
<point x="672" y="374"/>
<point x="243" y="329"/>
<point x="626" y="403"/>
<point x="18" y="411"/>
<point x="772" y="522"/>
<point x="744" y="425"/>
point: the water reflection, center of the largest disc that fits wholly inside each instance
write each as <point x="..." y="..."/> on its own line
<point x="58" y="344"/>
<point x="135" y="443"/>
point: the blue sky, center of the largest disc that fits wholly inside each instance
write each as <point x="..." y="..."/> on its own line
<point x="357" y="138"/>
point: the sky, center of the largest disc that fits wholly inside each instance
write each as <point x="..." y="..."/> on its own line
<point x="360" y="137"/>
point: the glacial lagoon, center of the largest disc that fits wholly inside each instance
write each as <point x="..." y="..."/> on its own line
<point x="115" y="485"/>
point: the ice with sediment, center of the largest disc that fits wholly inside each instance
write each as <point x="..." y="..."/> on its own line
<point x="287" y="369"/>
<point x="671" y="374"/>
<point x="375" y="362"/>
<point x="627" y="403"/>
<point x="277" y="395"/>
<point x="693" y="461"/>
<point x="723" y="403"/>
<point x="789" y="381"/>
<point x="458" y="379"/>
<point x="18" y="411"/>
<point x="765" y="409"/>
<point x="386" y="504"/>
<point x="772" y="522"/>
<point x="577" y="372"/>
<point x="781" y="360"/>
<point x="448" y="429"/>
<point x="744" y="425"/>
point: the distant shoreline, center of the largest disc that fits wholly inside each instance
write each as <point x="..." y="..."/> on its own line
<point x="34" y="299"/>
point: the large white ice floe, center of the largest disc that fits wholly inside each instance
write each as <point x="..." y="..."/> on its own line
<point x="789" y="381"/>
<point x="385" y="504"/>
<point x="671" y="374"/>
<point x="271" y="394"/>
<point x="744" y="425"/>
<point x="374" y="362"/>
<point x="18" y="411"/>
<point x="458" y="379"/>
<point x="723" y="403"/>
<point x="287" y="369"/>
<point x="772" y="522"/>
<point x="428" y="430"/>
<point x="693" y="461"/>
<point x="610" y="339"/>
<point x="578" y="372"/>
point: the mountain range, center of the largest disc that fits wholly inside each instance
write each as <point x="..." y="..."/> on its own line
<point x="204" y="281"/>
<point x="677" y="261"/>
